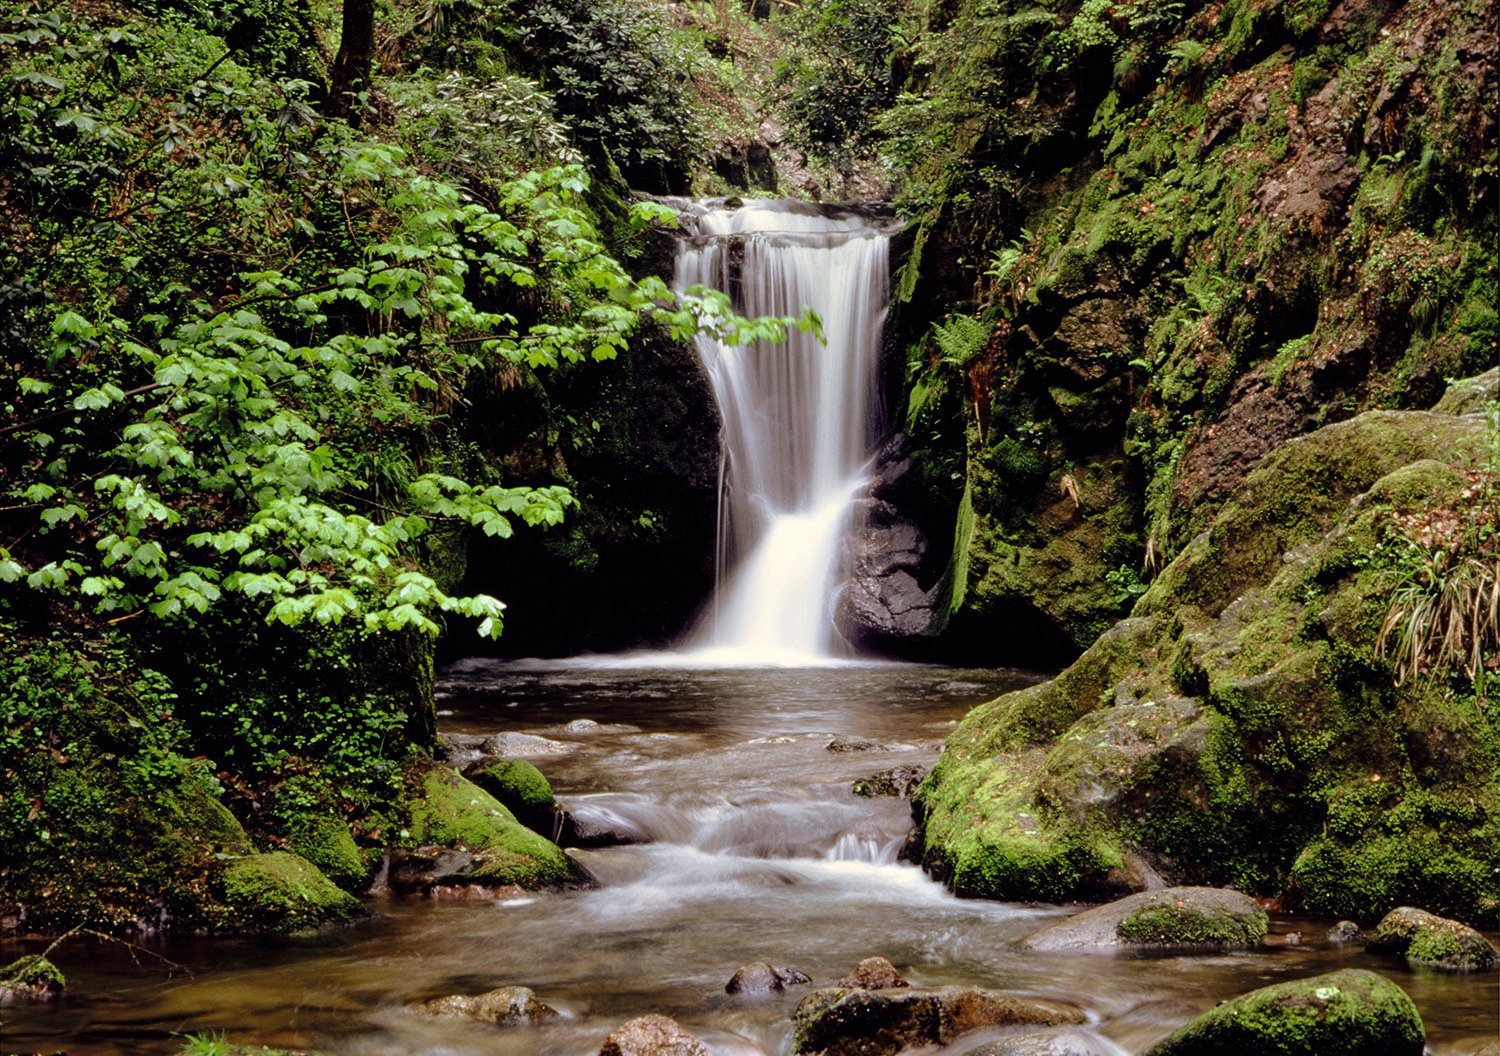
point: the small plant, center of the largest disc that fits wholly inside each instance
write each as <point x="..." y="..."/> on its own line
<point x="1444" y="614"/>
<point x="1126" y="584"/>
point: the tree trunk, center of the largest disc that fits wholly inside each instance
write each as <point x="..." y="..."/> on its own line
<point x="351" y="66"/>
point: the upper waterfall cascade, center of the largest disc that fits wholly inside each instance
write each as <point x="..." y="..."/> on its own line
<point x="798" y="416"/>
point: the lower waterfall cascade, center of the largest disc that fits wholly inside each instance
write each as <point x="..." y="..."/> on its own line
<point x="799" y="416"/>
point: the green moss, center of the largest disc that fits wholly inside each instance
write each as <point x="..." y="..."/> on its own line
<point x="327" y="842"/>
<point x="1174" y="925"/>
<point x="517" y="784"/>
<point x="1346" y="1013"/>
<point x="456" y="812"/>
<point x="32" y="970"/>
<point x="281" y="891"/>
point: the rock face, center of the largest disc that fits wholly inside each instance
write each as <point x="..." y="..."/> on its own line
<point x="652" y="1035"/>
<point x="891" y="599"/>
<point x="1227" y="732"/>
<point x="842" y="1022"/>
<point x="1347" y="1013"/>
<point x="873" y="973"/>
<point x="1175" y="916"/>
<point x="756" y="980"/>
<point x="1433" y="941"/>
<point x="507" y="1006"/>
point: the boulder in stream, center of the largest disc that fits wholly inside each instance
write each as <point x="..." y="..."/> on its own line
<point x="507" y="1006"/>
<point x="1433" y="941"/>
<point x="1346" y="1013"/>
<point x="652" y="1035"/>
<point x="1209" y="917"/>
<point x="873" y="973"/>
<point x="755" y="980"/>
<point x="898" y="781"/>
<point x="847" y="743"/>
<point x="520" y="787"/>
<point x="1343" y="933"/>
<point x="31" y="979"/>
<point x="841" y="1022"/>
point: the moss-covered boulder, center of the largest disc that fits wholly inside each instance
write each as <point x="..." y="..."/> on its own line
<point x="520" y="787"/>
<point x="1432" y="941"/>
<point x="282" y="891"/>
<point x="1207" y="917"/>
<point x="1239" y="729"/>
<point x="327" y="842"/>
<point x="29" y="980"/>
<point x="843" y="1022"/>
<point x="1346" y="1013"/>
<point x="452" y="811"/>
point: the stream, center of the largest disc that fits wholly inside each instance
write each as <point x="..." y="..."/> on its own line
<point x="758" y="852"/>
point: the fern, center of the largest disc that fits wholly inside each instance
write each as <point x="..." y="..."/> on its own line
<point x="960" y="338"/>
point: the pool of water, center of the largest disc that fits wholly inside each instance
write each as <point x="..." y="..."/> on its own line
<point x="758" y="852"/>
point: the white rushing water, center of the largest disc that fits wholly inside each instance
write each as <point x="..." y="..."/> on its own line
<point x="798" y="419"/>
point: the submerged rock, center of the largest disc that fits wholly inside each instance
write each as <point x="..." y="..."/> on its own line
<point x="512" y="745"/>
<point x="873" y="973"/>
<point x="1345" y="931"/>
<point x="1346" y="1013"/>
<point x="898" y="781"/>
<point x="30" y="980"/>
<point x="841" y="1022"/>
<point x="1211" y="917"/>
<point x="507" y="1006"/>
<point x="847" y="743"/>
<point x="1066" y="1041"/>
<point x="1433" y="941"/>
<point x="652" y="1035"/>
<point x="756" y="979"/>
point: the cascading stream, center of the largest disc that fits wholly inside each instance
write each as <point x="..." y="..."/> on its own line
<point x="798" y="417"/>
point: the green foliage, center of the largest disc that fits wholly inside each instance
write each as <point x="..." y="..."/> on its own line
<point x="837" y="77"/>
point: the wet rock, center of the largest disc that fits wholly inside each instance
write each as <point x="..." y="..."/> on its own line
<point x="417" y="871"/>
<point x="1211" y="917"/>
<point x="652" y="1035"/>
<point x="1066" y="1041"/>
<point x="873" y="973"/>
<point x="898" y="781"/>
<point x="841" y="1022"/>
<point x="1347" y="1013"/>
<point x="30" y="980"/>
<point x="754" y="980"/>
<point x="582" y="726"/>
<point x="598" y="830"/>
<point x="1433" y="941"/>
<point x="516" y="745"/>
<point x="1345" y="931"/>
<point x="508" y="1006"/>
<point x="845" y="743"/>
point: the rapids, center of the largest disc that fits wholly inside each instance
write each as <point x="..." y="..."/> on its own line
<point x="760" y="852"/>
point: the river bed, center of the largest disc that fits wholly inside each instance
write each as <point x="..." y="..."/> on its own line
<point x="758" y="852"/>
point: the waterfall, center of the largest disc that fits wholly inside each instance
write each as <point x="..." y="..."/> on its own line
<point x="798" y="417"/>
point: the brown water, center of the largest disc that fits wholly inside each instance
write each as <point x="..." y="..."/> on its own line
<point x="760" y="853"/>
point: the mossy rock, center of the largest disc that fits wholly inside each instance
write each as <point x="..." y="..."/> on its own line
<point x="327" y="842"/>
<point x="28" y="979"/>
<point x="519" y="786"/>
<point x="455" y="812"/>
<point x="1470" y="395"/>
<point x="1207" y="917"/>
<point x="1346" y="1013"/>
<point x="1433" y="941"/>
<point x="282" y="891"/>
